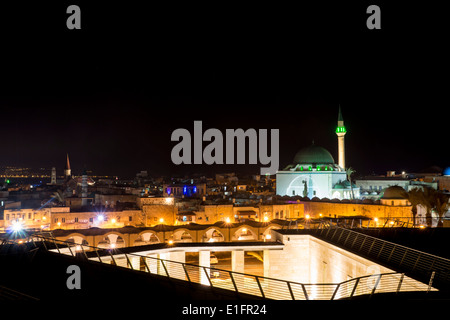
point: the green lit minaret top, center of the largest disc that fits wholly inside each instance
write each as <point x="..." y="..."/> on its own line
<point x="340" y="127"/>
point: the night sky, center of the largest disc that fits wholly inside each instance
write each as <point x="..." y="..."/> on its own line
<point x="111" y="93"/>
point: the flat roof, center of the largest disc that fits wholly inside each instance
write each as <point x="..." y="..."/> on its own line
<point x="192" y="247"/>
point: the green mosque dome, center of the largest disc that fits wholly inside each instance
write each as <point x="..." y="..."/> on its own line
<point x="313" y="155"/>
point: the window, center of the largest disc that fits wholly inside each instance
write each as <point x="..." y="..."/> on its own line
<point x="7" y="216"/>
<point x="91" y="219"/>
<point x="56" y="220"/>
<point x="76" y="219"/>
<point x="64" y="219"/>
<point x="130" y="218"/>
<point x="293" y="192"/>
<point x="29" y="215"/>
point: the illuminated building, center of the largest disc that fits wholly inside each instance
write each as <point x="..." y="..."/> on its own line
<point x="314" y="173"/>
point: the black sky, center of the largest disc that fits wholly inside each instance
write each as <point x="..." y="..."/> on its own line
<point x="111" y="93"/>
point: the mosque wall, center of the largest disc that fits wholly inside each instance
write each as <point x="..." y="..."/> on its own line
<point x="335" y="210"/>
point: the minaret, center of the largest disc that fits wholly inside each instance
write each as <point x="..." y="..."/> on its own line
<point x="53" y="176"/>
<point x="84" y="188"/>
<point x="340" y="132"/>
<point x="67" y="171"/>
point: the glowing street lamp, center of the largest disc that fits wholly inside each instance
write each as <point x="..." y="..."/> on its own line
<point x="227" y="220"/>
<point x="16" y="227"/>
<point x="161" y="220"/>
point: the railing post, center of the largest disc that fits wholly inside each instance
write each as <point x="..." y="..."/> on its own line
<point x="129" y="262"/>
<point x="335" y="291"/>
<point x="232" y="280"/>
<point x="207" y="275"/>
<point x="185" y="271"/>
<point x="113" y="260"/>
<point x="304" y="292"/>
<point x="68" y="246"/>
<point x="99" y="259"/>
<point x="431" y="281"/>
<point x="290" y="290"/>
<point x="260" y="287"/>
<point x="376" y="285"/>
<point x="165" y="269"/>
<point x="400" y="282"/>
<point x="354" y="287"/>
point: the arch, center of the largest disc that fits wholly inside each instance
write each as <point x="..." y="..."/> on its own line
<point x="297" y="185"/>
<point x="245" y="232"/>
<point x="146" y="237"/>
<point x="75" y="237"/>
<point x="182" y="235"/>
<point x="113" y="240"/>
<point x="212" y="234"/>
<point x="267" y="232"/>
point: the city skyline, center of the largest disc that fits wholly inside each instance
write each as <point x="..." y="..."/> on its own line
<point x="124" y="145"/>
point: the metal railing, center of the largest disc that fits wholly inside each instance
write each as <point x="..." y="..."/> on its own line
<point x="413" y="262"/>
<point x="263" y="287"/>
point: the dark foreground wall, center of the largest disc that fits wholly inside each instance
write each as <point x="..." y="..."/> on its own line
<point x="43" y="275"/>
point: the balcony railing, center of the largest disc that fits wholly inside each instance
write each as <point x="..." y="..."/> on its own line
<point x="263" y="287"/>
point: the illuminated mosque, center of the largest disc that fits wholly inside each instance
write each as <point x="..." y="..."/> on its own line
<point x="314" y="172"/>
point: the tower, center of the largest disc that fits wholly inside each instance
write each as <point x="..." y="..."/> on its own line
<point x="67" y="171"/>
<point x="84" y="188"/>
<point x="340" y="132"/>
<point x="53" y="176"/>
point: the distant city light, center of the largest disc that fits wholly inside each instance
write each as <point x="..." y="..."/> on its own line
<point x="268" y="236"/>
<point x="100" y="217"/>
<point x="113" y="220"/>
<point x="170" y="241"/>
<point x="16" y="227"/>
<point x="307" y="216"/>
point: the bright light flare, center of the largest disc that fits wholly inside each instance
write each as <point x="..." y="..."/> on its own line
<point x="16" y="227"/>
